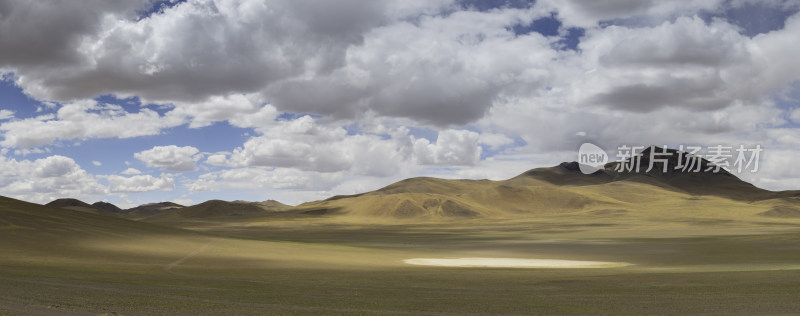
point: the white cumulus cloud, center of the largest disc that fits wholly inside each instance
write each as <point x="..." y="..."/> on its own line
<point x="83" y="120"/>
<point x="139" y="183"/>
<point x="47" y="179"/>
<point x="373" y="74"/>
<point x="170" y="158"/>
<point x="6" y="114"/>
<point x="131" y="172"/>
<point x="452" y="148"/>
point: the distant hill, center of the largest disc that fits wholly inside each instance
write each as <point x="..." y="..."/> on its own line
<point x="212" y="208"/>
<point x="271" y="205"/>
<point x="67" y="202"/>
<point x="702" y="182"/>
<point x="566" y="173"/>
<point x="561" y="189"/>
<point x="219" y="208"/>
<point x="151" y="209"/>
<point x="28" y="223"/>
<point x="78" y="205"/>
<point x="551" y="191"/>
<point x="107" y="207"/>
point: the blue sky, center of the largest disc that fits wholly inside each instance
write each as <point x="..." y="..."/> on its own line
<point x="187" y="101"/>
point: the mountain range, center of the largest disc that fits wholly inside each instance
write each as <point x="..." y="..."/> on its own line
<point x="561" y="189"/>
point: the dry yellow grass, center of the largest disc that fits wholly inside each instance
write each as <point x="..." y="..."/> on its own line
<point x="689" y="252"/>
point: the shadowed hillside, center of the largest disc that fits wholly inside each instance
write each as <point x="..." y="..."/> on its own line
<point x="561" y="189"/>
<point x="28" y="222"/>
<point x="689" y="175"/>
<point x="151" y="209"/>
<point x="218" y="208"/>
<point x="65" y="203"/>
<point x="101" y="208"/>
<point x="107" y="207"/>
<point x="666" y="189"/>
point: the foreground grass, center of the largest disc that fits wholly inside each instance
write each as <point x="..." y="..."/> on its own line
<point x="59" y="262"/>
<point x="429" y="291"/>
<point x="710" y="275"/>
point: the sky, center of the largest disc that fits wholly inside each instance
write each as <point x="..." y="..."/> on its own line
<point x="139" y="101"/>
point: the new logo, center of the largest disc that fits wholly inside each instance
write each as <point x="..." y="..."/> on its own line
<point x="591" y="158"/>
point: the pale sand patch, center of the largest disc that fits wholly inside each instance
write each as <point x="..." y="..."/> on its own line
<point x="512" y="263"/>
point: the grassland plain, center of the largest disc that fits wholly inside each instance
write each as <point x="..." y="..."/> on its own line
<point x="80" y="263"/>
<point x="692" y="250"/>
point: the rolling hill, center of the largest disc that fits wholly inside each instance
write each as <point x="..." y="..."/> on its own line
<point x="218" y="209"/>
<point x="67" y="202"/>
<point x="151" y="209"/>
<point x="713" y="250"/>
<point x="23" y="222"/>
<point x="101" y="208"/>
<point x="700" y="181"/>
<point x="105" y="208"/>
<point x="563" y="189"/>
<point x="108" y="207"/>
